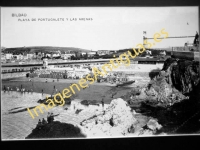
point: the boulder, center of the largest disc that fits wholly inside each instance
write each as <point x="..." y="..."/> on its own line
<point x="153" y="125"/>
<point x="85" y="102"/>
<point x="174" y="83"/>
<point x="117" y="120"/>
<point x="56" y="129"/>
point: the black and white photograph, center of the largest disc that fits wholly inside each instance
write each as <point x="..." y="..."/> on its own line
<point x="99" y="72"/>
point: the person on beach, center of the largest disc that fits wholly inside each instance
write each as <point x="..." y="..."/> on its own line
<point x="46" y="81"/>
<point x="96" y="120"/>
<point x="48" y="117"/>
<point x="17" y="89"/>
<point x="42" y="91"/>
<point x="102" y="102"/>
<point x="4" y="88"/>
<point x="52" y="117"/>
<point x="44" y="121"/>
<point x="39" y="125"/>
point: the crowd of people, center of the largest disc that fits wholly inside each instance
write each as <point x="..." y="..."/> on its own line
<point x="113" y="77"/>
<point x="18" y="89"/>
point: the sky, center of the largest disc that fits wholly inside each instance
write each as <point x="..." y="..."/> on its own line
<point x="106" y="28"/>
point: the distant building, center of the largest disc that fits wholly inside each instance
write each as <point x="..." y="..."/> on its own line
<point x="67" y="56"/>
<point x="30" y="55"/>
<point x="3" y="58"/>
<point x="56" y="55"/>
<point x="8" y="56"/>
<point x="103" y="52"/>
<point x="48" y="55"/>
<point x="90" y="54"/>
<point x="18" y="57"/>
<point x="45" y="62"/>
<point x="111" y="52"/>
<point x="25" y="57"/>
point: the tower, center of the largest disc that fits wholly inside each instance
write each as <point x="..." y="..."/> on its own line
<point x="144" y="38"/>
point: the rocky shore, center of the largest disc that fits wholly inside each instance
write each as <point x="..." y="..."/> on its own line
<point x="168" y="104"/>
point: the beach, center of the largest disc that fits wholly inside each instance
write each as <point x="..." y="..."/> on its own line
<point x="18" y="124"/>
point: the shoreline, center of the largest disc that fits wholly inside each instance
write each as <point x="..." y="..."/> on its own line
<point x="95" y="91"/>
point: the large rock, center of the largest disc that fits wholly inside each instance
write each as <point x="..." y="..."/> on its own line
<point x="116" y="121"/>
<point x="175" y="82"/>
<point x="56" y="130"/>
<point x="183" y="74"/>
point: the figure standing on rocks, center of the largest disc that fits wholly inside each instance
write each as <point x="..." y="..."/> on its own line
<point x="48" y="117"/>
<point x="39" y="125"/>
<point x="102" y="102"/>
<point x="44" y="121"/>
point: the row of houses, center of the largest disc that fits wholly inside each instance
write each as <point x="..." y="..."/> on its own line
<point x="52" y="54"/>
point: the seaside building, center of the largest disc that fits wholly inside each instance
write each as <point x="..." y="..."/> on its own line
<point x="18" y="56"/>
<point x="103" y="52"/>
<point x="8" y="56"/>
<point x="45" y="63"/>
<point x="90" y="54"/>
<point x="30" y="55"/>
<point x="3" y="58"/>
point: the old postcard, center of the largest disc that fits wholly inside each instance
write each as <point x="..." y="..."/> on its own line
<point x="99" y="72"/>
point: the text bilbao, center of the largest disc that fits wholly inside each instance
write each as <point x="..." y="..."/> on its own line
<point x="124" y="59"/>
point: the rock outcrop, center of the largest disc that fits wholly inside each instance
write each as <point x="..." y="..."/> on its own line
<point x="174" y="83"/>
<point x="116" y="120"/>
<point x="182" y="74"/>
